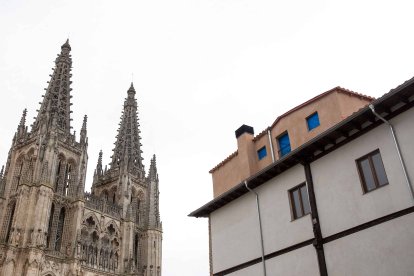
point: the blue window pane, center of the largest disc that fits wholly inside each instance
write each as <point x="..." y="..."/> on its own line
<point x="261" y="153"/>
<point x="284" y="144"/>
<point x="313" y="121"/>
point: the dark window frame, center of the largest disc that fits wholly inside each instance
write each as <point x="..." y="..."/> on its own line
<point x="301" y="202"/>
<point x="307" y="120"/>
<point x="259" y="156"/>
<point x="362" y="180"/>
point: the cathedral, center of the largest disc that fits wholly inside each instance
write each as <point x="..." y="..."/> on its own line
<point x="49" y="225"/>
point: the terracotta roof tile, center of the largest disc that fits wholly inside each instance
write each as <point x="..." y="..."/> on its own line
<point x="224" y="161"/>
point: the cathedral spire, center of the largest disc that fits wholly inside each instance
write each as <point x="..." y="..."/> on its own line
<point x="127" y="151"/>
<point x="55" y="107"/>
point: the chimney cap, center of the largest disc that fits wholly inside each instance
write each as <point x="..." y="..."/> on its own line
<point x="244" y="129"/>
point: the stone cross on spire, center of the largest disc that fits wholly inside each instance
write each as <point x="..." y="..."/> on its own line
<point x="127" y="151"/>
<point x="55" y="108"/>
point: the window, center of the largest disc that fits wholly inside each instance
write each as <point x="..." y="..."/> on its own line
<point x="299" y="201"/>
<point x="313" y="121"/>
<point x="261" y="153"/>
<point x="371" y="171"/>
<point x="284" y="144"/>
<point x="59" y="231"/>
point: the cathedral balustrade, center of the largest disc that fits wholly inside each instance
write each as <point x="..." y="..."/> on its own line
<point x="102" y="205"/>
<point x="55" y="254"/>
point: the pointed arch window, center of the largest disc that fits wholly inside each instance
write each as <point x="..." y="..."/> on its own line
<point x="136" y="250"/>
<point x="49" y="228"/>
<point x="106" y="195"/>
<point x="18" y="173"/>
<point x="10" y="221"/>
<point x="57" y="175"/>
<point x="67" y="179"/>
<point x="59" y="231"/>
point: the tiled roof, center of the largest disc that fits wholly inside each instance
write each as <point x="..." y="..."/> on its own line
<point x="224" y="161"/>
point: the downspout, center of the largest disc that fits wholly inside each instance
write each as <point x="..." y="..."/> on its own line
<point x="260" y="226"/>
<point x="271" y="145"/>
<point x="397" y="146"/>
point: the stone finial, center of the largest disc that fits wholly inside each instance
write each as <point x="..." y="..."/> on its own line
<point x="66" y="45"/>
<point x="131" y="90"/>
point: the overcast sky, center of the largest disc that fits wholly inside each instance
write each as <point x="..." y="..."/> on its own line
<point x="201" y="69"/>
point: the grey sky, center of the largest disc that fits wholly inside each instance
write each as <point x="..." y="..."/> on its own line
<point x="201" y="68"/>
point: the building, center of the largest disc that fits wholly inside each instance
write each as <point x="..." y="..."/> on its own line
<point x="288" y="131"/>
<point x="341" y="203"/>
<point x="49" y="224"/>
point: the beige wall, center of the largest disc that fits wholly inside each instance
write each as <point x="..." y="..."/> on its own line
<point x="332" y="108"/>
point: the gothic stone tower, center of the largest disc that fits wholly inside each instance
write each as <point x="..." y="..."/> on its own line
<point x="49" y="225"/>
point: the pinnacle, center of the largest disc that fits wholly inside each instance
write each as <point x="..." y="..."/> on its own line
<point x="131" y="91"/>
<point x="66" y="45"/>
<point x="99" y="165"/>
<point x="85" y="120"/>
<point x="100" y="157"/>
<point x="152" y="174"/>
<point x="23" y="118"/>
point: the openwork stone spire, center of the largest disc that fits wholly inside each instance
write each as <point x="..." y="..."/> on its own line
<point x="127" y="151"/>
<point x="55" y="108"/>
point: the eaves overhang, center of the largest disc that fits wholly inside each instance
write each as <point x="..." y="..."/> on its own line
<point x="389" y="105"/>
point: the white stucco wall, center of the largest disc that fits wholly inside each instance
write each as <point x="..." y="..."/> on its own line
<point x="235" y="228"/>
<point x="382" y="250"/>
<point x="340" y="198"/>
<point x="298" y="262"/>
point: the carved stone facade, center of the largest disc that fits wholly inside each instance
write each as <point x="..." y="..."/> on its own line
<point x="49" y="224"/>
